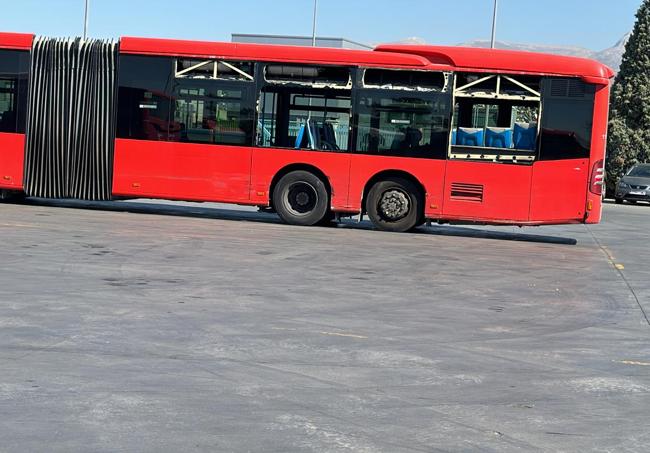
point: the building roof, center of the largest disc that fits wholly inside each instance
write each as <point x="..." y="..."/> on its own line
<point x="321" y="41"/>
<point x="472" y="58"/>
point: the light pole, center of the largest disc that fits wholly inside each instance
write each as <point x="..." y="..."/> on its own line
<point x="86" y="19"/>
<point x="494" y="24"/>
<point x="313" y="29"/>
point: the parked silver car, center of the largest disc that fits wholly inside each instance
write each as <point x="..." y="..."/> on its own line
<point x="635" y="185"/>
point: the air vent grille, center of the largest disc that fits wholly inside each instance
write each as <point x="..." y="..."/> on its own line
<point x="572" y="88"/>
<point x="467" y="192"/>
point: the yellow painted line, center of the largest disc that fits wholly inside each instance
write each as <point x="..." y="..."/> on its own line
<point x="632" y="362"/>
<point x="337" y="334"/>
<point x="619" y="266"/>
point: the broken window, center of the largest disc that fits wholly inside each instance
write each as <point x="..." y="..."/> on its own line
<point x="304" y="118"/>
<point x="215" y="69"/>
<point x="312" y="76"/>
<point x="405" y="80"/>
<point x="496" y="117"/>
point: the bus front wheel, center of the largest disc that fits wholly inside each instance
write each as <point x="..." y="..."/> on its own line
<point x="394" y="205"/>
<point x="301" y="198"/>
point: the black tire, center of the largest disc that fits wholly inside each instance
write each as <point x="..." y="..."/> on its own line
<point x="301" y="198"/>
<point x="618" y="200"/>
<point x="394" y="204"/>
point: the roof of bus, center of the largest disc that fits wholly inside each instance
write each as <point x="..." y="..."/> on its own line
<point x="472" y="58"/>
<point x="16" y="40"/>
<point x="391" y="55"/>
<point x="271" y="52"/>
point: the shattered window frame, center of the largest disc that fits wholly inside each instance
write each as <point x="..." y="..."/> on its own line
<point x="305" y="75"/>
<point x="388" y="79"/>
<point x="214" y="69"/>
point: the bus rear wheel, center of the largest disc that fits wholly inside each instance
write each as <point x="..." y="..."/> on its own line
<point x="394" y="204"/>
<point x="301" y="198"/>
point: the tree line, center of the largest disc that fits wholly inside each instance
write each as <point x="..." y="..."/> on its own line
<point x="629" y="123"/>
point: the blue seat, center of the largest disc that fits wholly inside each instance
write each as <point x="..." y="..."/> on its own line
<point x="469" y="136"/>
<point x="454" y="133"/>
<point x="300" y="137"/>
<point x="525" y="135"/>
<point x="498" y="137"/>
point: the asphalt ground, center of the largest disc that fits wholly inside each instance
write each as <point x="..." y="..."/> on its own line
<point x="148" y="326"/>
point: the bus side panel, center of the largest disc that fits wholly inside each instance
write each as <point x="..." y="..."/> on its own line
<point x="559" y="190"/>
<point x="429" y="172"/>
<point x="487" y="191"/>
<point x="267" y="162"/>
<point x="181" y="171"/>
<point x="12" y="157"/>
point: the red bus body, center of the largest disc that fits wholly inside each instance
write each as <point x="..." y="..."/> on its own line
<point x="545" y="192"/>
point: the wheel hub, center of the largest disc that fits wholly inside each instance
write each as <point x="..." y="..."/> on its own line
<point x="301" y="198"/>
<point x="394" y="205"/>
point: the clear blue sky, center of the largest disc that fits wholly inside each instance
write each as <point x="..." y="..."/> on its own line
<point x="595" y="24"/>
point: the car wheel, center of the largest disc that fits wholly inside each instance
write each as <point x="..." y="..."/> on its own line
<point x="394" y="204"/>
<point x="618" y="200"/>
<point x="301" y="198"/>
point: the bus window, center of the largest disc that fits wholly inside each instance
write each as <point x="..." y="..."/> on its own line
<point x="8" y="98"/>
<point x="144" y="97"/>
<point x="568" y="109"/>
<point x="304" y="120"/>
<point x="215" y="69"/>
<point x="496" y="117"/>
<point x="13" y="90"/>
<point x="405" y="80"/>
<point x="304" y="107"/>
<point x="212" y="112"/>
<point x="312" y="76"/>
<point x="402" y="124"/>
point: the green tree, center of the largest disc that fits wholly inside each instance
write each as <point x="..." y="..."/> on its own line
<point x="629" y="125"/>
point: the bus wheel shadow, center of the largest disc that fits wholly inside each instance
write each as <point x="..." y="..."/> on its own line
<point x="475" y="233"/>
<point x="250" y="215"/>
<point x="153" y="208"/>
<point x="458" y="231"/>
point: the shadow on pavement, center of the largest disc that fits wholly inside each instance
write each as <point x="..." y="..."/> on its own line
<point x="254" y="216"/>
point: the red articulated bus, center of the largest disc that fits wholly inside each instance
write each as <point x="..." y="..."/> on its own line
<point x="402" y="134"/>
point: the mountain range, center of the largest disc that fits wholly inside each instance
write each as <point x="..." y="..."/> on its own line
<point x="611" y="56"/>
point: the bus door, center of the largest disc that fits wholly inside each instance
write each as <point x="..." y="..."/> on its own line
<point x="490" y="163"/>
<point x="561" y="175"/>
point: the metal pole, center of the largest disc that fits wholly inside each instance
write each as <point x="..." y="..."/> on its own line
<point x="86" y="19"/>
<point x="313" y="33"/>
<point x="494" y="24"/>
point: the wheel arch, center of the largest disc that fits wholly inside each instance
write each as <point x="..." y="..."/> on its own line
<point x="386" y="174"/>
<point x="304" y="167"/>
